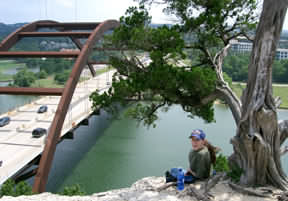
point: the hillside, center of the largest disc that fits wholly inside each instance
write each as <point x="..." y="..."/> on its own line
<point x="6" y="29"/>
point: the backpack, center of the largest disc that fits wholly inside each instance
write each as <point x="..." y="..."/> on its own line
<point x="171" y="176"/>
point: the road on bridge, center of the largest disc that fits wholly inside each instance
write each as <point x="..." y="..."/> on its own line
<point x="18" y="147"/>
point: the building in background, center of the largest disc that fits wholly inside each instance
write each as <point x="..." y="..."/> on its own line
<point x="243" y="45"/>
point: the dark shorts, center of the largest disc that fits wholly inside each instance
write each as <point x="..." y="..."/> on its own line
<point x="171" y="176"/>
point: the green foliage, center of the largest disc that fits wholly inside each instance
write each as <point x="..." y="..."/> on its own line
<point x="221" y="164"/>
<point x="280" y="71"/>
<point x="236" y="66"/>
<point x="51" y="66"/>
<point x="163" y="46"/>
<point x="30" y="63"/>
<point x="141" y="111"/>
<point x="9" y="188"/>
<point x="169" y="85"/>
<point x="61" y="78"/>
<point x="235" y="173"/>
<point x="41" y="75"/>
<point x="72" y="190"/>
<point x="227" y="78"/>
<point x="22" y="188"/>
<point x="24" y="78"/>
<point x="160" y="79"/>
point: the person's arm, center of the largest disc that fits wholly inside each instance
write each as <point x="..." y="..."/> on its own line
<point x="190" y="172"/>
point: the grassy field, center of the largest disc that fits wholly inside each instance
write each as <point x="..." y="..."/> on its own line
<point x="8" y="64"/>
<point x="281" y="91"/>
<point x="50" y="83"/>
<point x="47" y="82"/>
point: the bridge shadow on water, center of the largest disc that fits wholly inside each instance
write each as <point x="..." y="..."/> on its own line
<point x="70" y="151"/>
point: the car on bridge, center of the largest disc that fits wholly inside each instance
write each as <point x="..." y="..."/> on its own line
<point x="38" y="132"/>
<point x="4" y="121"/>
<point x="42" y="109"/>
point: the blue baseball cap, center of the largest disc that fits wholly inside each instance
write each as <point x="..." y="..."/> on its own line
<point x="198" y="134"/>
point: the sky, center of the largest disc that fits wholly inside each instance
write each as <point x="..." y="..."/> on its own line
<point x="15" y="11"/>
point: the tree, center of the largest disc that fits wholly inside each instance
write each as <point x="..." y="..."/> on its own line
<point x="236" y="66"/>
<point x="24" y="78"/>
<point x="61" y="78"/>
<point x="41" y="75"/>
<point x="259" y="136"/>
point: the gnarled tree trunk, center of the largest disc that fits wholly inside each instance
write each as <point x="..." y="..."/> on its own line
<point x="258" y="139"/>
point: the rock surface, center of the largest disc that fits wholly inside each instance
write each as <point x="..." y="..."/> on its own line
<point x="146" y="189"/>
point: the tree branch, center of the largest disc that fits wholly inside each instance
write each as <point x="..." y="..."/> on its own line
<point x="232" y="100"/>
<point x="154" y="109"/>
<point x="277" y="101"/>
<point x="283" y="130"/>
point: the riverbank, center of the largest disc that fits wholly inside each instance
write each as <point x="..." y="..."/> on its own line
<point x="280" y="90"/>
<point x="153" y="189"/>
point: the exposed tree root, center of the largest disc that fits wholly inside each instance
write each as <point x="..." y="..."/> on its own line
<point x="247" y="191"/>
<point x="203" y="193"/>
<point x="165" y="186"/>
<point x="283" y="196"/>
<point x="212" y="182"/>
<point x="197" y="194"/>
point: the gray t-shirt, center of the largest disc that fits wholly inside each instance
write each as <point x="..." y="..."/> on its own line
<point x="200" y="162"/>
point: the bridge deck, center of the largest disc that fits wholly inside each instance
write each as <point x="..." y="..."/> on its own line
<point x="18" y="148"/>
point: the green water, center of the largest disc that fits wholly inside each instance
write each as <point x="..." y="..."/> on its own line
<point x="10" y="102"/>
<point x="110" y="154"/>
<point x="125" y="152"/>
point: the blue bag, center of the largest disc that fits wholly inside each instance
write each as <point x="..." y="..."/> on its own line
<point x="172" y="175"/>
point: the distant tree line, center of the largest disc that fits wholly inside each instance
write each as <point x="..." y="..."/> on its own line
<point x="236" y="66"/>
<point x="60" y="68"/>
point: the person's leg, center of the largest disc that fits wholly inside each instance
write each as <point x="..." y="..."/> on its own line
<point x="169" y="177"/>
<point x="189" y="179"/>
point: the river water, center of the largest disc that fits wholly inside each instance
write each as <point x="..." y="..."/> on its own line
<point x="110" y="154"/>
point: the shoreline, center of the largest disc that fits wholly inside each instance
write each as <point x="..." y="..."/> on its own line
<point x="218" y="102"/>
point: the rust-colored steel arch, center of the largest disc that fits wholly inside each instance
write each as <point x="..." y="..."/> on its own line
<point x="29" y="30"/>
<point x="57" y="123"/>
<point x="12" y="38"/>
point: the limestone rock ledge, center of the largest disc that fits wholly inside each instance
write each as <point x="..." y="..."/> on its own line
<point x="145" y="190"/>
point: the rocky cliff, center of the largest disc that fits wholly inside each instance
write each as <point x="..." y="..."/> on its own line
<point x="154" y="189"/>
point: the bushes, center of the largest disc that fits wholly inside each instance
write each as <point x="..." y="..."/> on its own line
<point x="221" y="164"/>
<point x="233" y="172"/>
<point x="9" y="188"/>
<point x="72" y="190"/>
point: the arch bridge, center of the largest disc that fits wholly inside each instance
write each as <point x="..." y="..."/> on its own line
<point x="93" y="33"/>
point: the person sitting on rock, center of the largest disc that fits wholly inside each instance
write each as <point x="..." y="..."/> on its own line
<point x="201" y="157"/>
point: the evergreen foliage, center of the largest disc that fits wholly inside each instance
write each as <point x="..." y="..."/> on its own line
<point x="159" y="81"/>
<point x="9" y="188"/>
<point x="233" y="171"/>
<point x="24" y="78"/>
<point x="236" y="66"/>
<point x="62" y="77"/>
<point x="221" y="164"/>
<point x="41" y="75"/>
<point x="73" y="190"/>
